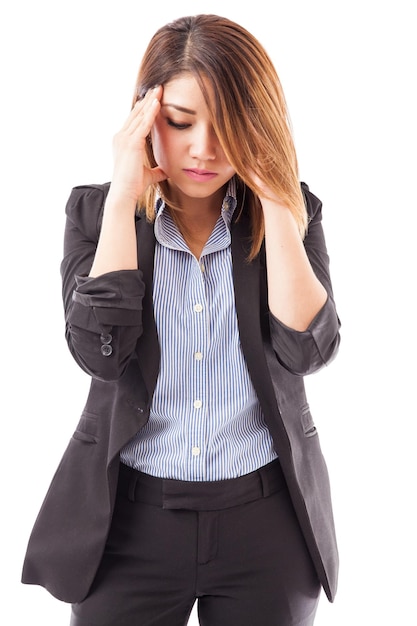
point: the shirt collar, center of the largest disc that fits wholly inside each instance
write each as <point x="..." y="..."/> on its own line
<point x="228" y="204"/>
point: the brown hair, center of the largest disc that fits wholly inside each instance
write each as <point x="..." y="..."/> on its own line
<point x="246" y="100"/>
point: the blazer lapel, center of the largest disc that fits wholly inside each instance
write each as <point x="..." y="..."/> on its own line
<point x="148" y="345"/>
<point x="246" y="279"/>
<point x="252" y="312"/>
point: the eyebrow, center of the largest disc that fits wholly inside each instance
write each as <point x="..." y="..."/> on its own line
<point x="179" y="108"/>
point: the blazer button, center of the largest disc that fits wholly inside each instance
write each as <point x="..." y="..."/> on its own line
<point x="106" y="349"/>
<point x="106" y="338"/>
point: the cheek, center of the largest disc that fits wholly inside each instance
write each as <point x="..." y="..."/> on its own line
<point x="159" y="140"/>
<point x="225" y="162"/>
<point x="228" y="170"/>
<point x="158" y="147"/>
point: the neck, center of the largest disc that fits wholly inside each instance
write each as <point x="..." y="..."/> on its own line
<point x="196" y="226"/>
<point x="195" y="217"/>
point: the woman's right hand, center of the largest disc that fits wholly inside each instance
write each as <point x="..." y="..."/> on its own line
<point x="131" y="177"/>
<point x="117" y="245"/>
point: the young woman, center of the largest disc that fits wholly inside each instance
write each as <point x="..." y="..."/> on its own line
<point x="197" y="295"/>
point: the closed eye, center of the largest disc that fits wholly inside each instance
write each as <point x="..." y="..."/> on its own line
<point x="176" y="124"/>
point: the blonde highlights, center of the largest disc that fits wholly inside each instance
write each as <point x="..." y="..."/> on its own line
<point x="246" y="101"/>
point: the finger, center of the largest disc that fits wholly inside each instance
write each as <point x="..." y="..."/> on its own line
<point x="140" y="125"/>
<point x="149" y="113"/>
<point x="144" y="110"/>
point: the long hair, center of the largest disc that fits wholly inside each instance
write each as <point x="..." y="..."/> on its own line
<point x="246" y="103"/>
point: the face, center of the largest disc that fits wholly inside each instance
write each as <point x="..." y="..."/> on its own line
<point x="185" y="145"/>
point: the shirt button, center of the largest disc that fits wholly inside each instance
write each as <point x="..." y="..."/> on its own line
<point x="195" y="451"/>
<point x="202" y="267"/>
<point x="106" y="338"/>
<point x="198" y="308"/>
<point x="198" y="404"/>
<point x="198" y="356"/>
<point x="106" y="349"/>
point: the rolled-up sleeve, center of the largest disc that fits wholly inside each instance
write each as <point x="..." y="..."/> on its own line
<point x="115" y="298"/>
<point x="308" y="351"/>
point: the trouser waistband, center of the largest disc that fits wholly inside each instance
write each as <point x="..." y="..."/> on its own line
<point x="197" y="495"/>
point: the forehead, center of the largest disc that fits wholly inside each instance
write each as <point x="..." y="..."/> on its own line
<point x="184" y="90"/>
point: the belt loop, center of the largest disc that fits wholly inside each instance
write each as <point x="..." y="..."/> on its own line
<point x="131" y="490"/>
<point x="266" y="485"/>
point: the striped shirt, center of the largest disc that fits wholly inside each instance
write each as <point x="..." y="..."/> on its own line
<point x="205" y="422"/>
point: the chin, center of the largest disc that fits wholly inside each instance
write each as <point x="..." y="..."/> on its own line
<point x="196" y="190"/>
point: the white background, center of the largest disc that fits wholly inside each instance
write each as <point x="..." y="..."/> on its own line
<point x="348" y="70"/>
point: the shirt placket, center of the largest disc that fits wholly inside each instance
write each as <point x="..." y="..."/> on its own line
<point x="200" y="334"/>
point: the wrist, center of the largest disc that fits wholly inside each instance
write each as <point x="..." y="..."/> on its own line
<point x="120" y="202"/>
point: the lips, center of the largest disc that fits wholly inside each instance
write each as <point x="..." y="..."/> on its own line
<point x="200" y="175"/>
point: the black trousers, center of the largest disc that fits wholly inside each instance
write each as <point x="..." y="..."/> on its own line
<point x="234" y="546"/>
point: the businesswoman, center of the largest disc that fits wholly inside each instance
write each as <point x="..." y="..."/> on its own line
<point x="197" y="296"/>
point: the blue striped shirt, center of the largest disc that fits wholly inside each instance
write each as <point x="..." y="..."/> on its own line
<point x="205" y="422"/>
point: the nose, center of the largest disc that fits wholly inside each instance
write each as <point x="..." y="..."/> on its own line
<point x="204" y="143"/>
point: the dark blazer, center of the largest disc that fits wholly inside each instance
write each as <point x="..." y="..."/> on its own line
<point x="112" y="335"/>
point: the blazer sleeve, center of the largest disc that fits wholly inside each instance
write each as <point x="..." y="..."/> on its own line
<point x="306" y="352"/>
<point x="103" y="315"/>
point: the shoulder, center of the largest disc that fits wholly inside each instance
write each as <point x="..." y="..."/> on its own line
<point x="312" y="202"/>
<point x="85" y="205"/>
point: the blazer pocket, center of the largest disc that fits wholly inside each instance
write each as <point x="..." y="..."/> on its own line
<point x="81" y="436"/>
<point x="87" y="428"/>
<point x="309" y="428"/>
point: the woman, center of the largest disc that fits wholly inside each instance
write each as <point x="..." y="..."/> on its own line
<point x="197" y="295"/>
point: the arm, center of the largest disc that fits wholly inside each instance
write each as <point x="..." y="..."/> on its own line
<point x="304" y="325"/>
<point x="97" y="308"/>
<point x="117" y="247"/>
<point x="295" y="294"/>
<point x="102" y="286"/>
